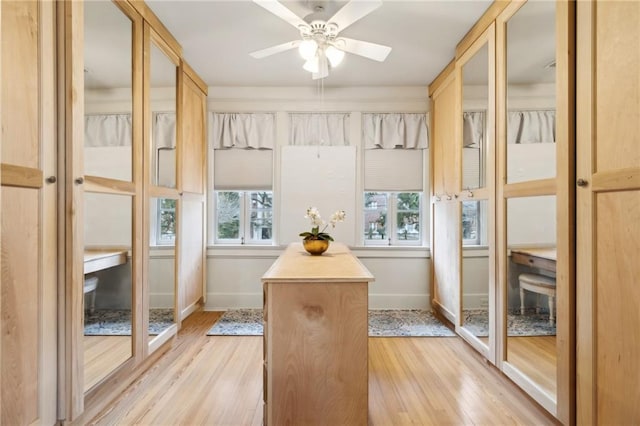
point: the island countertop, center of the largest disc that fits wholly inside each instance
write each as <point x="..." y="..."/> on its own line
<point x="337" y="264"/>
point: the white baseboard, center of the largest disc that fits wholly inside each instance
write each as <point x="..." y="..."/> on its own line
<point x="225" y="301"/>
<point x="161" y="300"/>
<point x="398" y="301"/>
<point x="475" y="301"/>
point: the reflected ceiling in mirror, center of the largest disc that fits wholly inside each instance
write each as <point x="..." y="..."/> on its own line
<point x="107" y="46"/>
<point x="531" y="44"/>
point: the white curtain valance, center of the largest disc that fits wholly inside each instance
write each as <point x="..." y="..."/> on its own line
<point x="164" y="130"/>
<point x="531" y="127"/>
<point x="245" y="131"/>
<point x="395" y="130"/>
<point x="324" y="129"/>
<point x="472" y="128"/>
<point x="107" y="130"/>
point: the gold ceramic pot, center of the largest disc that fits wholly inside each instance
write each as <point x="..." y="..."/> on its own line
<point x="315" y="247"/>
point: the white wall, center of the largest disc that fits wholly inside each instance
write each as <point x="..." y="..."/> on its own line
<point x="234" y="277"/>
<point x="234" y="273"/>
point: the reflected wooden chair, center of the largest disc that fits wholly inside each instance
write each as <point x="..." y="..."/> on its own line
<point x="538" y="284"/>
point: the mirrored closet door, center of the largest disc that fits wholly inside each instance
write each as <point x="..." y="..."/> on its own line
<point x="476" y="76"/>
<point x="162" y="198"/>
<point x="111" y="181"/>
<point x="527" y="192"/>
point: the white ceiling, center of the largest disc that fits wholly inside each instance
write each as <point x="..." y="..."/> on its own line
<point x="217" y="37"/>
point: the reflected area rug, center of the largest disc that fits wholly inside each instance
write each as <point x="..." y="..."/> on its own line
<point x="382" y="323"/>
<point x="117" y="322"/>
<point x="532" y="323"/>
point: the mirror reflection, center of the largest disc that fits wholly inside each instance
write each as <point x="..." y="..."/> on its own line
<point x="475" y="269"/>
<point x="163" y="74"/>
<point x="475" y="103"/>
<point x="531" y="288"/>
<point x="531" y="115"/>
<point x="162" y="265"/>
<point x="107" y="284"/>
<point x="107" y="92"/>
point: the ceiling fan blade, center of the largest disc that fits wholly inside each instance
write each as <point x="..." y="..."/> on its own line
<point x="374" y="51"/>
<point x="353" y="11"/>
<point x="282" y="12"/>
<point x="259" y="54"/>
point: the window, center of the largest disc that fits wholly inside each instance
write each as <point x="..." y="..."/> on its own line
<point x="392" y="218"/>
<point x="166" y="221"/>
<point x="471" y="223"/>
<point x="243" y="217"/>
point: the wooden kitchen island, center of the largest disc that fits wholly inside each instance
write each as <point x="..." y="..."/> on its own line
<point x="315" y="338"/>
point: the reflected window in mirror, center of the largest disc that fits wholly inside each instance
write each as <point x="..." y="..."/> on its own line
<point x="107" y="91"/>
<point x="162" y="266"/>
<point x="163" y="74"/>
<point x="475" y="132"/>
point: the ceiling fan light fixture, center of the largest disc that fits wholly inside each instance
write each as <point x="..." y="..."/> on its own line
<point x="308" y="49"/>
<point x="312" y="65"/>
<point x="334" y="55"/>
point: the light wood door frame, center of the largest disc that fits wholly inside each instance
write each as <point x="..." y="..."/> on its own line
<point x="563" y="407"/>
<point x="487" y="192"/>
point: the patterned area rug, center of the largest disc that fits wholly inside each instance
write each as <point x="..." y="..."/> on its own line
<point x="117" y="322"/>
<point x="383" y="323"/>
<point x="529" y="324"/>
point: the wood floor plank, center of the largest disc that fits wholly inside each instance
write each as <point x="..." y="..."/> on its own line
<point x="217" y="380"/>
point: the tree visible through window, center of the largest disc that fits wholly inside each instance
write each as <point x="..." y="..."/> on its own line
<point x="166" y="221"/>
<point x="392" y="218"/>
<point x="244" y="217"/>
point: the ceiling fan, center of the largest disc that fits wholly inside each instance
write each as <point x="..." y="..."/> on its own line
<point x="320" y="44"/>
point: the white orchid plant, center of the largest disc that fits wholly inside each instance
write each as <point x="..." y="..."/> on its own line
<point x="316" y="222"/>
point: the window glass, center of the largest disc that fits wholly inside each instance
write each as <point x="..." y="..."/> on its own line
<point x="228" y="215"/>
<point x="261" y="215"/>
<point x="244" y="217"/>
<point x="166" y="221"/>
<point x="392" y="218"/>
<point x="471" y="223"/>
<point x="408" y="216"/>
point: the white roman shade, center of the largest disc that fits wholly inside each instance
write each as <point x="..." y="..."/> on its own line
<point x="531" y="127"/>
<point x="395" y="130"/>
<point x="242" y="169"/>
<point x="323" y="129"/>
<point x="393" y="170"/>
<point x="107" y="130"/>
<point x="247" y="130"/>
<point x="471" y="167"/>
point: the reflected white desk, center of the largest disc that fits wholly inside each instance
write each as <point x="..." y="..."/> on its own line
<point x="97" y="260"/>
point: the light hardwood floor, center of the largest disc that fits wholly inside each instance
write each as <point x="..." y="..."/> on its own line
<point x="206" y="380"/>
<point x="102" y="354"/>
<point x="536" y="357"/>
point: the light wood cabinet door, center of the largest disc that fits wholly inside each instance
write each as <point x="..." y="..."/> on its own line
<point x="28" y="208"/>
<point x="608" y="220"/>
<point x="192" y="210"/>
<point x="445" y="248"/>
